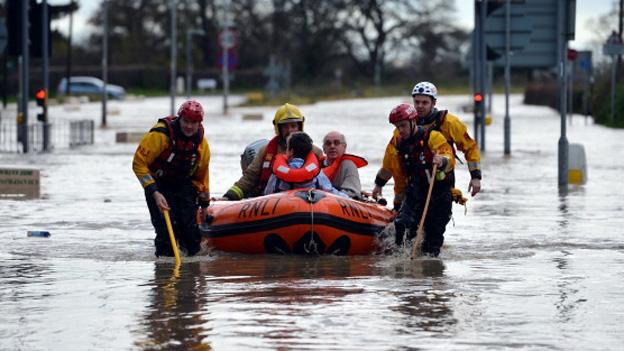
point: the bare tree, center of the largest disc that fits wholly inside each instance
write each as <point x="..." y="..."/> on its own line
<point x="433" y="39"/>
<point x="313" y="37"/>
<point x="368" y="26"/>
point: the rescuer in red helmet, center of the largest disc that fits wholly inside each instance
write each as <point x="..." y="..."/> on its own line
<point x="425" y="97"/>
<point x="171" y="162"/>
<point x="414" y="152"/>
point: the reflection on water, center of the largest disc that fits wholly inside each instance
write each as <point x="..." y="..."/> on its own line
<point x="276" y="301"/>
<point x="24" y="290"/>
<point x="567" y="286"/>
<point x="173" y="318"/>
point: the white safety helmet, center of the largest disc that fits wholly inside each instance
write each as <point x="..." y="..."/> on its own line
<point x="425" y="88"/>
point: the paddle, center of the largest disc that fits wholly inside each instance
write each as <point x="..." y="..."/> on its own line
<point x="174" y="245"/>
<point x="420" y="233"/>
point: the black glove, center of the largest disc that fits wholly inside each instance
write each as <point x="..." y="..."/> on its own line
<point x="203" y="199"/>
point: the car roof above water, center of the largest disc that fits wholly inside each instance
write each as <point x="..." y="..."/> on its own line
<point x="83" y="79"/>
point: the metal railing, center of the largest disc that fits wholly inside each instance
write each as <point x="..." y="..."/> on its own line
<point x="61" y="134"/>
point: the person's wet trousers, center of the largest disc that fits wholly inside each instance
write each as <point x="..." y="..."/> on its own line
<point x="181" y="198"/>
<point x="438" y="215"/>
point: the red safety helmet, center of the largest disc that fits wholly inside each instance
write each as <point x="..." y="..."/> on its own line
<point x="402" y="112"/>
<point x="191" y="110"/>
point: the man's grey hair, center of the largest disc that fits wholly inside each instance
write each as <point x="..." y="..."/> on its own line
<point x="342" y="137"/>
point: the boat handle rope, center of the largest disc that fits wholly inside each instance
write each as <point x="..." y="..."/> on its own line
<point x="311" y="246"/>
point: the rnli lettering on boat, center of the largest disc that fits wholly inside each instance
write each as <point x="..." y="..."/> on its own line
<point x="258" y="208"/>
<point x="306" y="218"/>
<point x="353" y="209"/>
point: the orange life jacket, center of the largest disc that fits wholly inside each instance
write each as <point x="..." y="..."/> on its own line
<point x="330" y="171"/>
<point x="306" y="173"/>
<point x="267" y="163"/>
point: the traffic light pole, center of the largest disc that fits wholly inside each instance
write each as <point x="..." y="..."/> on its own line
<point x="483" y="64"/>
<point x="46" y="79"/>
<point x="23" y="125"/>
<point x="476" y="38"/>
<point x="562" y="58"/>
<point x="479" y="73"/>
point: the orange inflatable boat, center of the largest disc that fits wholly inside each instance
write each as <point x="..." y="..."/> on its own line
<point x="301" y="221"/>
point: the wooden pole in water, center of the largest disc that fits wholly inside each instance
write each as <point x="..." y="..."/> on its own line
<point x="174" y="245"/>
<point x="420" y="233"/>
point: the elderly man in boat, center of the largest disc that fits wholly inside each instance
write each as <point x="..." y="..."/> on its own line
<point x="288" y="119"/>
<point x="340" y="167"/>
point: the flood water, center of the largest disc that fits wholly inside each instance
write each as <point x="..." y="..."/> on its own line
<point x="526" y="267"/>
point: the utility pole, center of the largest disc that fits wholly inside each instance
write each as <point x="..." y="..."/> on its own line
<point x="174" y="55"/>
<point x="226" y="44"/>
<point x="69" y="51"/>
<point x="619" y="60"/>
<point x="189" y="60"/>
<point x="507" y="120"/>
<point x="104" y="60"/>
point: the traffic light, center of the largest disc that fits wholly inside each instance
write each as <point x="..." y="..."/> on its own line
<point x="14" y="27"/>
<point x="42" y="100"/>
<point x="478" y="97"/>
<point x="35" y="30"/>
<point x="478" y="102"/>
<point x="35" y="17"/>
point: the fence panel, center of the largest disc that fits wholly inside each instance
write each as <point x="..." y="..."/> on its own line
<point x="62" y="134"/>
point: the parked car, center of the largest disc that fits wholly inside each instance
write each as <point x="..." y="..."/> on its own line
<point x="90" y="86"/>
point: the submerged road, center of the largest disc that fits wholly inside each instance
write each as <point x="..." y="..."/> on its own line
<point x="527" y="266"/>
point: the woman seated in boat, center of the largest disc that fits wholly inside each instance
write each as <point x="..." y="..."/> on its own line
<point x="298" y="168"/>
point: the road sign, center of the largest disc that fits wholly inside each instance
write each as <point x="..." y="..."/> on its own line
<point x="494" y="29"/>
<point x="227" y="38"/>
<point x="613" y="49"/>
<point x="584" y="62"/>
<point x="3" y="36"/>
<point x="541" y="51"/>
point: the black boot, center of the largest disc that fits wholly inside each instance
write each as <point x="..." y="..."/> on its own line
<point x="399" y="233"/>
<point x="163" y="248"/>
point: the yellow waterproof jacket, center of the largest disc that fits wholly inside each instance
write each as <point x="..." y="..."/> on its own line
<point x="456" y="133"/>
<point x="392" y="166"/>
<point x="153" y="144"/>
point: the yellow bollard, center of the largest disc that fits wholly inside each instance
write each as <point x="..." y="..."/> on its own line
<point x="577" y="166"/>
<point x="488" y="120"/>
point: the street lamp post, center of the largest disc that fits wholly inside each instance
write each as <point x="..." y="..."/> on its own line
<point x="189" y="60"/>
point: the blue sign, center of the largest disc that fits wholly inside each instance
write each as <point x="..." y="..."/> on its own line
<point x="232" y="59"/>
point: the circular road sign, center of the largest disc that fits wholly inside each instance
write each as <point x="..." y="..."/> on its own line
<point x="227" y="39"/>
